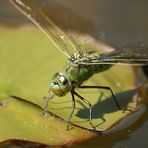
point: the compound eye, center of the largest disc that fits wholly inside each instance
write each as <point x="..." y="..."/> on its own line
<point x="54" y="83"/>
<point x="63" y="80"/>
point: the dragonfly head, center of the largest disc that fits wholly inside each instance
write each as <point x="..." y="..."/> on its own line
<point x="61" y="84"/>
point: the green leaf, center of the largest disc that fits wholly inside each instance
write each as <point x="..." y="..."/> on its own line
<point x="28" y="61"/>
<point x="25" y="121"/>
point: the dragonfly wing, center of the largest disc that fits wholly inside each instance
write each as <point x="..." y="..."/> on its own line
<point x="131" y="55"/>
<point x="34" y="10"/>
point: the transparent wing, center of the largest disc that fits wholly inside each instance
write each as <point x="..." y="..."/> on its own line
<point x="133" y="55"/>
<point x="34" y="10"/>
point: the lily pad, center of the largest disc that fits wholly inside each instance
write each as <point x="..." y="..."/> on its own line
<point x="20" y="68"/>
<point x="28" y="61"/>
<point x="21" y="120"/>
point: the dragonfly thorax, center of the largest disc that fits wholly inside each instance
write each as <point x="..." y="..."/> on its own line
<point x="61" y="84"/>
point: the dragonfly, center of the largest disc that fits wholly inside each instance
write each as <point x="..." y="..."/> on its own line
<point x="81" y="64"/>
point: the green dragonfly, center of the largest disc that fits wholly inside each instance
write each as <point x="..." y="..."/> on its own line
<point x="82" y="64"/>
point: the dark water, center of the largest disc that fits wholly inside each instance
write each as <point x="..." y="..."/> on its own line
<point x="116" y="22"/>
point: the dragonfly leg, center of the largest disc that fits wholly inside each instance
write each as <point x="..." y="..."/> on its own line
<point x="47" y="99"/>
<point x="73" y="108"/>
<point x="90" y="107"/>
<point x="107" y="88"/>
<point x="45" y="109"/>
